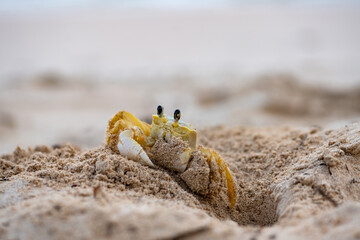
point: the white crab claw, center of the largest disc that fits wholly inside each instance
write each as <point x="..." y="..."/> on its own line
<point x="131" y="149"/>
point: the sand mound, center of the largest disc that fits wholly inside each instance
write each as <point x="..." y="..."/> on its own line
<point x="292" y="183"/>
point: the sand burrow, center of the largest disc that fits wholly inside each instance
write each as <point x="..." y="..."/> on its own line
<point x="286" y="174"/>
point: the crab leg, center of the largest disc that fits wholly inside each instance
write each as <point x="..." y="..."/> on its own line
<point x="121" y="121"/>
<point x="224" y="171"/>
<point x="131" y="149"/>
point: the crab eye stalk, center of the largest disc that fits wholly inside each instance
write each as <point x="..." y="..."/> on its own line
<point x="160" y="111"/>
<point x="177" y="115"/>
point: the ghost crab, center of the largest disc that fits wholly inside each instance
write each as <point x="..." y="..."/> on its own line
<point x="171" y="144"/>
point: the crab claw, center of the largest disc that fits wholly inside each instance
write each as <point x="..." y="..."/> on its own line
<point x="131" y="149"/>
<point x="173" y="154"/>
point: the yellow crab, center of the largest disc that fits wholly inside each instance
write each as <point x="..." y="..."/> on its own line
<point x="171" y="144"/>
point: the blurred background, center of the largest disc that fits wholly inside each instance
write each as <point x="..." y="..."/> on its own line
<point x="67" y="66"/>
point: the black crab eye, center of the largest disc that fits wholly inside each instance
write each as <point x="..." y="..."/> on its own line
<point x="160" y="111"/>
<point x="177" y="115"/>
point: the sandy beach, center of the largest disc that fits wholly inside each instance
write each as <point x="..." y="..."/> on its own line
<point x="290" y="184"/>
<point x="274" y="90"/>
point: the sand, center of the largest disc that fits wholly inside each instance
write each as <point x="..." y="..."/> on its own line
<point x="291" y="184"/>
